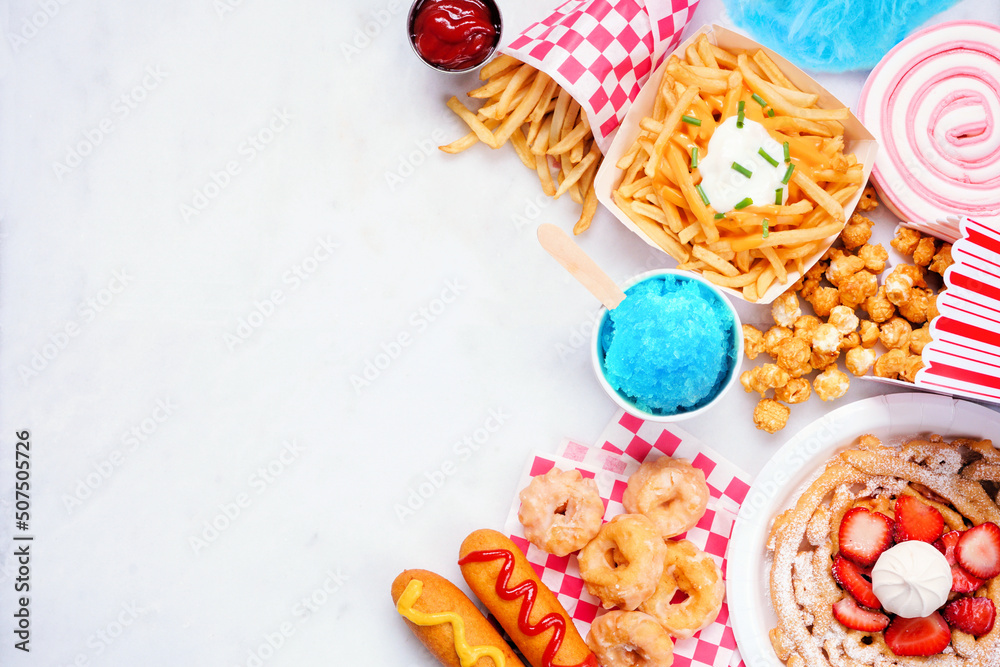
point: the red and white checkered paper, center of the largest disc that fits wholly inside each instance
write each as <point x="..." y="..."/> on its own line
<point x="602" y="51"/>
<point x="964" y="356"/>
<point x="626" y="442"/>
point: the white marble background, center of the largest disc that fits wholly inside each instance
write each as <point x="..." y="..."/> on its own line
<point x="216" y="216"/>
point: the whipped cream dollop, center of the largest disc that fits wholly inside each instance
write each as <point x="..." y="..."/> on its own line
<point x="912" y="579"/>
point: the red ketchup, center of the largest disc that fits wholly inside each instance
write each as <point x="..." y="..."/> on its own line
<point x="454" y="34"/>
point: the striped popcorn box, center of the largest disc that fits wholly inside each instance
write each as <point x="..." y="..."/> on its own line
<point x="602" y="51"/>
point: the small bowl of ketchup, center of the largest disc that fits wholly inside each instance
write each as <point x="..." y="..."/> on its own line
<point x="454" y="35"/>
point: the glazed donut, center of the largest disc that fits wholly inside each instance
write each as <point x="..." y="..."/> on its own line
<point x="630" y="639"/>
<point x="503" y="579"/>
<point x="671" y="492"/>
<point x="688" y="568"/>
<point x="623" y="564"/>
<point x="561" y="511"/>
<point x="448" y="623"/>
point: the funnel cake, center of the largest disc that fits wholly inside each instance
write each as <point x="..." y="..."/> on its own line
<point x="820" y="592"/>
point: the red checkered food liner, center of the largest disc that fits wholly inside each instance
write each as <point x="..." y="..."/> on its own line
<point x="602" y="51"/>
<point x="625" y="443"/>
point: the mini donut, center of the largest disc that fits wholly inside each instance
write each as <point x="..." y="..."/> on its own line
<point x="623" y="564"/>
<point x="670" y="492"/>
<point x="561" y="511"/>
<point x="688" y="568"/>
<point x="630" y="639"/>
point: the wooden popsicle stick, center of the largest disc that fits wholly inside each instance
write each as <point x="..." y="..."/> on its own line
<point x="565" y="251"/>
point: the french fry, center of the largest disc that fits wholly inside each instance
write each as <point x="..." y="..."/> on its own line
<point x="542" y="122"/>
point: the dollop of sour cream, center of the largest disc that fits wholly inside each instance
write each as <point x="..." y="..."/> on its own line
<point x="725" y="186"/>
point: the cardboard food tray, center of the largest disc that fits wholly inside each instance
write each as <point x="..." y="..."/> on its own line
<point x="857" y="140"/>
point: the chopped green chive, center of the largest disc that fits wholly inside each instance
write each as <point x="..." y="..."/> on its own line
<point x="770" y="113"/>
<point x="720" y="216"/>
<point x="778" y="196"/>
<point x="759" y="100"/>
<point x="788" y="174"/>
<point x="701" y="193"/>
<point x="743" y="170"/>
<point x="770" y="160"/>
<point x="764" y="229"/>
<point x="788" y="152"/>
<point x="741" y="112"/>
<point x="694" y="158"/>
<point x="691" y="120"/>
<point x="746" y="201"/>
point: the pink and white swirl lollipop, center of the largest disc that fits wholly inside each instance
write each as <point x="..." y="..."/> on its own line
<point x="933" y="103"/>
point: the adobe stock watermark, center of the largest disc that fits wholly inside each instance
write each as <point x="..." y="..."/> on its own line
<point x="225" y="7"/>
<point x="409" y="162"/>
<point x="531" y="212"/>
<point x="419" y="321"/>
<point x="375" y="22"/>
<point x="121" y="108"/>
<point x="131" y="441"/>
<point x="291" y="280"/>
<point x="229" y="511"/>
<point x="87" y="311"/>
<point x="101" y="639"/>
<point x="31" y="25"/>
<point x="247" y="151"/>
<point x="432" y="481"/>
<point x="308" y="605"/>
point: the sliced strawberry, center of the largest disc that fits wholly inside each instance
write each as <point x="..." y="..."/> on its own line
<point x="918" y="636"/>
<point x="978" y="550"/>
<point x="961" y="581"/>
<point x="864" y="535"/>
<point x="847" y="611"/>
<point x="972" y="615"/>
<point x="916" y="521"/>
<point x="853" y="579"/>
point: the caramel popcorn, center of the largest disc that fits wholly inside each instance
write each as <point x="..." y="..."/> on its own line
<point x="859" y="360"/>
<point x="868" y="201"/>
<point x="911" y="365"/>
<point x="831" y="384"/>
<point x="842" y="267"/>
<point x="915" y="308"/>
<point x="753" y="341"/>
<point x="793" y="354"/>
<point x="844" y="319"/>
<point x="823" y="299"/>
<point x="775" y="335"/>
<point x="925" y="251"/>
<point x="785" y="309"/>
<point x="770" y="415"/>
<point x="895" y="333"/>
<point x="850" y="340"/>
<point x="856" y="232"/>
<point x="901" y="281"/>
<point x="823" y="360"/>
<point x="891" y="363"/>
<point x="906" y="240"/>
<point x="941" y="260"/>
<point x="869" y="333"/>
<point x="826" y="339"/>
<point x="874" y="257"/>
<point x="878" y="307"/>
<point x="805" y="326"/>
<point x="797" y="390"/>
<point x="919" y="338"/>
<point x="762" y="378"/>
<point x="857" y="287"/>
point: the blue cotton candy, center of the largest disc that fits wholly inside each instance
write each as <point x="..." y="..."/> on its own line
<point x="832" y="35"/>
<point x="669" y="346"/>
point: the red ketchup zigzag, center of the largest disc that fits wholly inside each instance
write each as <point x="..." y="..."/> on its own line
<point x="529" y="591"/>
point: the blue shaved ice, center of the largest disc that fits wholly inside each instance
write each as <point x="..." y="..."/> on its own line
<point x="670" y="346"/>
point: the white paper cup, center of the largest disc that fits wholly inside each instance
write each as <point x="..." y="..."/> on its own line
<point x="732" y="376"/>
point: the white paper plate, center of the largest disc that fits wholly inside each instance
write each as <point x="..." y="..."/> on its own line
<point x="892" y="418"/>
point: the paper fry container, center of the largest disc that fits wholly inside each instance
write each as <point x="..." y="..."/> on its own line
<point x="963" y="357"/>
<point x="602" y="51"/>
<point x="857" y="140"/>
